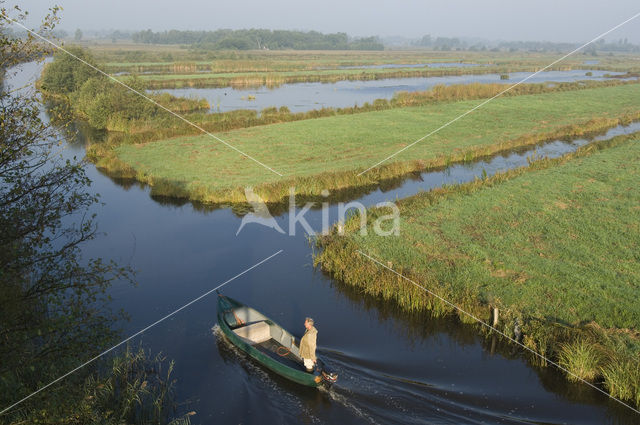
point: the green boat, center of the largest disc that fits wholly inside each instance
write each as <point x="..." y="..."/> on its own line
<point x="268" y="343"/>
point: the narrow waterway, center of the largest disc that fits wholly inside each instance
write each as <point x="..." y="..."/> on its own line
<point x="394" y="368"/>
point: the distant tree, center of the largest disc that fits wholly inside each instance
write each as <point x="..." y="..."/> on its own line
<point x="368" y="43"/>
<point x="425" y="41"/>
<point x="78" y="35"/>
<point x="257" y="39"/>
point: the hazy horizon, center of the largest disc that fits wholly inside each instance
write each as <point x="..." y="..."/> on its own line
<point x="568" y="21"/>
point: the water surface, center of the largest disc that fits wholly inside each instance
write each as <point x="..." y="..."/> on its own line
<point x="301" y="97"/>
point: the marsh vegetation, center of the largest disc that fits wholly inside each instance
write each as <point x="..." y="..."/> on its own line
<point x="553" y="246"/>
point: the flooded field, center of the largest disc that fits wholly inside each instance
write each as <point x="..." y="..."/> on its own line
<point x="303" y="97"/>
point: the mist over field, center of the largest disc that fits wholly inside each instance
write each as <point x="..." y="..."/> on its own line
<point x="546" y="20"/>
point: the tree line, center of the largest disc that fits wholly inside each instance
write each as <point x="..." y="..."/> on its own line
<point x="259" y="39"/>
<point x="454" y="43"/>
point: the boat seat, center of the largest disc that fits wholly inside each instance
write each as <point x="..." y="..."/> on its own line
<point x="256" y="332"/>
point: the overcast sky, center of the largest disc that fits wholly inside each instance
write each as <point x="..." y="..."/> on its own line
<point x="541" y="20"/>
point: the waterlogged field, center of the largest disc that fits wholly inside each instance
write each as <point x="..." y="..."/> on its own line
<point x="131" y="57"/>
<point x="274" y="79"/>
<point x="170" y="67"/>
<point x="302" y="97"/>
<point x="556" y="246"/>
<point x="146" y="57"/>
<point x="328" y="152"/>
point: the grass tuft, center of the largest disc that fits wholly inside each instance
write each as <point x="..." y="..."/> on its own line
<point x="581" y="359"/>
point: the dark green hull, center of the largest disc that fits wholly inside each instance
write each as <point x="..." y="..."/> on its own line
<point x="225" y="304"/>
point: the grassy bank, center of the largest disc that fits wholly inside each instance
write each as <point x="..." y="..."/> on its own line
<point x="554" y="245"/>
<point x="328" y="152"/>
<point x="158" y="58"/>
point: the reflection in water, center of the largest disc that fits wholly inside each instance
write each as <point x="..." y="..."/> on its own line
<point x="394" y="368"/>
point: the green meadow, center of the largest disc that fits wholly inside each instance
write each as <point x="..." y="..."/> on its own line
<point x="555" y="245"/>
<point x="328" y="152"/>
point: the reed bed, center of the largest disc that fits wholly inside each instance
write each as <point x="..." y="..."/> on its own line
<point x="275" y="79"/>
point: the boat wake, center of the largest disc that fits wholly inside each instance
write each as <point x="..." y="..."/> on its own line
<point x="367" y="395"/>
<point x="382" y="398"/>
<point x="336" y="395"/>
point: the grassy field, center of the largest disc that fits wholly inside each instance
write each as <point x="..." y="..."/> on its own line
<point x="556" y="245"/>
<point x="318" y="74"/>
<point x="328" y="152"/>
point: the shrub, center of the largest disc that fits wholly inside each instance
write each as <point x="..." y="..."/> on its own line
<point x="66" y="74"/>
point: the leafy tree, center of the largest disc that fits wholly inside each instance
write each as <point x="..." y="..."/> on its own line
<point x="93" y="102"/>
<point x="50" y="303"/>
<point x="91" y="95"/>
<point x="53" y="305"/>
<point x="78" y="35"/>
<point x="66" y="74"/>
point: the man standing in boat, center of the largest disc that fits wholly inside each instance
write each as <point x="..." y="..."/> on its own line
<point x="308" y="345"/>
